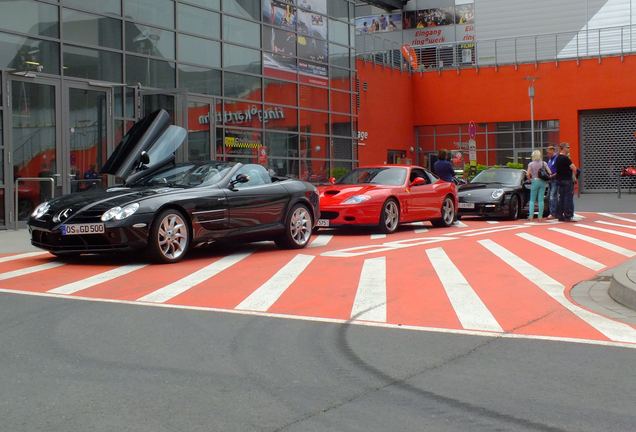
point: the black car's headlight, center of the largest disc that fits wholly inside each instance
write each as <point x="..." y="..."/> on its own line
<point x="41" y="210"/>
<point x="497" y="193"/>
<point x="119" y="213"/>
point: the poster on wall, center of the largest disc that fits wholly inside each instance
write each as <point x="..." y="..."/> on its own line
<point x="281" y="13"/>
<point x="312" y="24"/>
<point x="423" y="18"/>
<point x="379" y="23"/>
<point x="319" y="6"/>
<point x="465" y="14"/>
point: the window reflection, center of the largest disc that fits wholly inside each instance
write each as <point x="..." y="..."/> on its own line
<point x="148" y="40"/>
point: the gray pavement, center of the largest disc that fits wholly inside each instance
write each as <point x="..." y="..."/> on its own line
<point x="77" y="366"/>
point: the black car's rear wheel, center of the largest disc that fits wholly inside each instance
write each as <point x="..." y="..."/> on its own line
<point x="298" y="227"/>
<point x="447" y="212"/>
<point x="514" y="208"/>
<point x="169" y="237"/>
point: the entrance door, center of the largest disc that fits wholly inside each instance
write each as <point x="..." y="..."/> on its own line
<point x="32" y="138"/>
<point x="87" y="136"/>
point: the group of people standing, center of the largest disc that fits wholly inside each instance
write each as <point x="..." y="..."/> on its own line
<point x="560" y="174"/>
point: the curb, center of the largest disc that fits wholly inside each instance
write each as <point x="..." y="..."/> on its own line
<point x="623" y="284"/>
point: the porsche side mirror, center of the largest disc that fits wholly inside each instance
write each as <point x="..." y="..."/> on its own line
<point x="144" y="159"/>
<point x="418" y="181"/>
<point x="332" y="180"/>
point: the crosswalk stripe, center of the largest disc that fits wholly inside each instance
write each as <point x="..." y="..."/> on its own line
<point x="609" y="231"/>
<point x="29" y="270"/>
<point x="471" y="311"/>
<point x="613" y="330"/>
<point x="616" y="224"/>
<point x="377" y="236"/>
<point x="491" y="230"/>
<point x="578" y="216"/>
<point x="106" y="276"/>
<point x="21" y="256"/>
<point x="370" y="300"/>
<point x="182" y="285"/>
<point x="613" y="216"/>
<point x="492" y="222"/>
<point x="566" y="253"/>
<point x="461" y="224"/>
<point x="321" y="240"/>
<point x="600" y="243"/>
<point x="420" y="230"/>
<point x="268" y="293"/>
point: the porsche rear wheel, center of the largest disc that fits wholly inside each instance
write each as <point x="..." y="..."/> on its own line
<point x="447" y="212"/>
<point x="389" y="217"/>
<point x="169" y="237"/>
<point x="298" y="228"/>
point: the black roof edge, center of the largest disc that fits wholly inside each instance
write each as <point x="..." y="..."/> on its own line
<point x="387" y="4"/>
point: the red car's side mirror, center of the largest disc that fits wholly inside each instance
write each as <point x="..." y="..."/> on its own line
<point x="332" y="180"/>
<point x="419" y="181"/>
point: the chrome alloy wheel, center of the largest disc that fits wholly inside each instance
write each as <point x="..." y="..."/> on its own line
<point x="300" y="226"/>
<point x="172" y="236"/>
<point x="448" y="212"/>
<point x="391" y="216"/>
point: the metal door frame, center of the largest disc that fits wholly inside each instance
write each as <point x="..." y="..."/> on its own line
<point x="10" y="186"/>
<point x="210" y="101"/>
<point x="66" y="141"/>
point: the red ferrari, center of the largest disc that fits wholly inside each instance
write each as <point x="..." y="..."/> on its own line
<point x="386" y="196"/>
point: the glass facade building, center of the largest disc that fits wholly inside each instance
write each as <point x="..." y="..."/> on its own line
<point x="266" y="81"/>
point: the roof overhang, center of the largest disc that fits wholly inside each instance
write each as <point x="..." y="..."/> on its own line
<point x="387" y="4"/>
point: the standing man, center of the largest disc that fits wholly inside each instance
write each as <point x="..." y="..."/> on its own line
<point x="552" y="156"/>
<point x="565" y="176"/>
<point x="443" y="168"/>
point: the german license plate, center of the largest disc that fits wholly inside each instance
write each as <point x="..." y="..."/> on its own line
<point x="78" y="229"/>
<point x="466" y="205"/>
<point x="323" y="223"/>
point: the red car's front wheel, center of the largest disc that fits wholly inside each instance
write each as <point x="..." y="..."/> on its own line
<point x="389" y="217"/>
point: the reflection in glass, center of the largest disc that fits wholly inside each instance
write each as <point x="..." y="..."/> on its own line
<point x="314" y="170"/>
<point x="200" y="21"/>
<point x="314" y="122"/>
<point x="150" y="72"/>
<point x="245" y="8"/>
<point x="92" y="64"/>
<point x="102" y="6"/>
<point x="34" y="141"/>
<point x="338" y="32"/>
<point x="87" y="126"/>
<point x="26" y="54"/>
<point x="149" y="40"/>
<point x="340" y="79"/>
<point x="200" y="80"/>
<point x="281" y="144"/>
<point x="158" y="12"/>
<point x="241" y="31"/>
<point x="27" y="16"/>
<point x="198" y="131"/>
<point x="314" y="97"/>
<point x="281" y="92"/>
<point x="281" y="118"/>
<point x="241" y="114"/>
<point x="241" y="86"/>
<point x="342" y="148"/>
<point x="338" y="9"/>
<point x="243" y="143"/>
<point x="338" y="55"/>
<point x="241" y="59"/>
<point x="212" y="4"/>
<point x="91" y="29"/>
<point x="200" y="51"/>
<point x="341" y="102"/>
<point x="279" y="41"/>
<point x="156" y="101"/>
<point x="314" y="146"/>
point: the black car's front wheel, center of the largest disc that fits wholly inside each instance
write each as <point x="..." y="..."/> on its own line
<point x="514" y="208"/>
<point x="298" y="227"/>
<point x="169" y="237"/>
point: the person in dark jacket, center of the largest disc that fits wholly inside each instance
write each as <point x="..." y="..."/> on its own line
<point x="443" y="168"/>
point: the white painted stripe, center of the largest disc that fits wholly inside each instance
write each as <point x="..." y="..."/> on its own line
<point x="461" y="224"/>
<point x="616" y="224"/>
<point x="267" y="294"/>
<point x="321" y="240"/>
<point x="182" y="285"/>
<point x="613" y="330"/>
<point x="600" y="243"/>
<point x="565" y="253"/>
<point x="29" y="270"/>
<point x="370" y="301"/>
<point x="106" y="276"/>
<point x="609" y="231"/>
<point x="613" y="216"/>
<point x="487" y="229"/>
<point x="420" y="230"/>
<point x="471" y="311"/>
<point x="492" y="230"/>
<point x="399" y="327"/>
<point x="578" y="216"/>
<point x="492" y="222"/>
<point x="21" y="256"/>
<point x="377" y="236"/>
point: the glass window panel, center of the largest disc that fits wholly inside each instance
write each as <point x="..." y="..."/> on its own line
<point x="90" y="29"/>
<point x="241" y="31"/>
<point x="312" y="49"/>
<point x="279" y="41"/>
<point x="149" y="40"/>
<point x="29" y="17"/>
<point x="340" y="79"/>
<point x="118" y="93"/>
<point x="200" y="21"/>
<point x="158" y="12"/>
<point x="102" y="6"/>
<point x="338" y="9"/>
<point x="27" y="54"/>
<point x="241" y="59"/>
<point x="281" y="144"/>
<point x="92" y="64"/>
<point x="501" y="140"/>
<point x="280" y="66"/>
<point x="341" y="102"/>
<point x="130" y="103"/>
<point x="283" y="167"/>
<point x="244" y="8"/>
<point x="312" y="24"/>
<point x="314" y="146"/>
<point x="211" y="4"/>
<point x="244" y="143"/>
<point x="341" y="125"/>
<point x="314" y="97"/>
<point x="241" y="113"/>
<point x="149" y="72"/>
<point x="314" y="122"/>
<point x="280" y="92"/>
<point x="314" y="170"/>
<point x="200" y="80"/>
<point x="338" y="32"/>
<point x="280" y="118"/>
<point x="241" y="86"/>
<point x="339" y="55"/>
<point x="198" y="131"/>
<point x="280" y="13"/>
<point x="196" y="50"/>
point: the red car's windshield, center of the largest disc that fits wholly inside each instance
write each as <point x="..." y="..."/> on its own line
<point x="382" y="176"/>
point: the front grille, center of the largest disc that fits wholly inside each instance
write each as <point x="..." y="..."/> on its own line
<point x="328" y="215"/>
<point x="92" y="214"/>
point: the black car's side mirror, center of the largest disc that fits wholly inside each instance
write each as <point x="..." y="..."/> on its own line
<point x="240" y="178"/>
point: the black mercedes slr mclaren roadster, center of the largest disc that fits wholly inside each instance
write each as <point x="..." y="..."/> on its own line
<point x="166" y="208"/>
